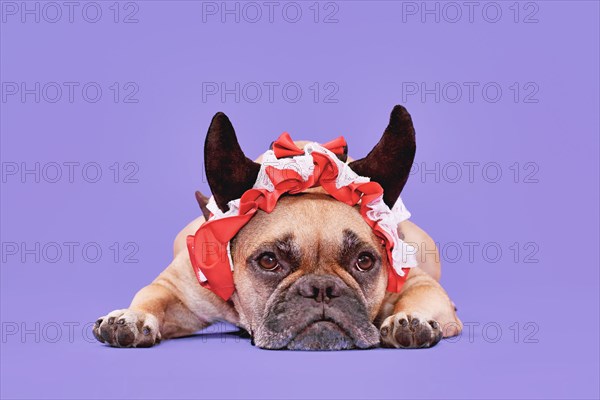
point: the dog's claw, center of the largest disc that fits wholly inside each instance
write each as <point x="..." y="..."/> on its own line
<point x="407" y="331"/>
<point x="132" y="329"/>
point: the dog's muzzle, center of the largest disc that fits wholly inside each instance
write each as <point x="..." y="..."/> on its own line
<point x="317" y="312"/>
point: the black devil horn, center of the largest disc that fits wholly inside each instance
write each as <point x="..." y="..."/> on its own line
<point x="390" y="161"/>
<point x="230" y="173"/>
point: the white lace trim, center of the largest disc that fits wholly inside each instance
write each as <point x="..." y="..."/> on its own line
<point x="403" y="254"/>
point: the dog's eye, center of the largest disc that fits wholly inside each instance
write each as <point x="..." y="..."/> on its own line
<point x="365" y="262"/>
<point x="268" y="261"/>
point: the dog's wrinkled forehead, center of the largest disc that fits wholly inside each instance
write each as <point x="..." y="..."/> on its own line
<point x="309" y="225"/>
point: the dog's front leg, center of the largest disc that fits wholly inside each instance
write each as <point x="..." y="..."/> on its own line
<point x="174" y="305"/>
<point x="420" y="315"/>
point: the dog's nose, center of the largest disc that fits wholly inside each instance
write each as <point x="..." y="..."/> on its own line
<point x="321" y="288"/>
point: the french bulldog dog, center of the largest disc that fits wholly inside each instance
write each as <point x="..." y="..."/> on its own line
<point x="310" y="275"/>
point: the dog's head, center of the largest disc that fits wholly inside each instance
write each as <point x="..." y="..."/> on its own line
<point x="310" y="275"/>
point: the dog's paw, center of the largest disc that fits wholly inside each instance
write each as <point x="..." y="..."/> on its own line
<point x="127" y="328"/>
<point x="410" y="331"/>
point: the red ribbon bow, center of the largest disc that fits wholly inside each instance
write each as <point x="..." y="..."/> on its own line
<point x="208" y="247"/>
<point x="284" y="146"/>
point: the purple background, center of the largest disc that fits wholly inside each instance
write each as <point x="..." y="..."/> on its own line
<point x="368" y="54"/>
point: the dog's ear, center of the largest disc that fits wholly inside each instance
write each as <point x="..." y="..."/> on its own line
<point x="229" y="172"/>
<point x="203" y="202"/>
<point x="390" y="160"/>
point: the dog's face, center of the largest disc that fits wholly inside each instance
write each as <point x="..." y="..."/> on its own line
<point x="310" y="275"/>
